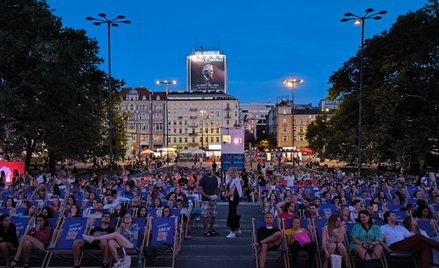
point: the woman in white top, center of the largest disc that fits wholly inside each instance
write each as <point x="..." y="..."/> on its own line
<point x="234" y="193"/>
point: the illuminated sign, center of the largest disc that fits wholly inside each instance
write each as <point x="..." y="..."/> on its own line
<point x="207" y="73"/>
<point x="11" y="168"/>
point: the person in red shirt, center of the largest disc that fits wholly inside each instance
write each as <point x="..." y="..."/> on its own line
<point x="38" y="237"/>
<point x="286" y="209"/>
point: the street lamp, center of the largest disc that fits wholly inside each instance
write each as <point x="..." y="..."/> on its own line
<point x="110" y="22"/>
<point x="370" y="14"/>
<point x="166" y="83"/>
<point x="291" y="83"/>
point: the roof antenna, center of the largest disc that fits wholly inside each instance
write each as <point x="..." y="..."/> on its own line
<point x="195" y="47"/>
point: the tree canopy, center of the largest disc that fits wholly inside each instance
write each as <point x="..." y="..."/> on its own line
<point x="52" y="93"/>
<point x="400" y="100"/>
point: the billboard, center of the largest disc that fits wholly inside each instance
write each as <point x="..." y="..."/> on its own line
<point x="9" y="168"/>
<point x="207" y="73"/>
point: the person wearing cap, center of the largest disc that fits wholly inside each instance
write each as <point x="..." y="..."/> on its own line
<point x="80" y="244"/>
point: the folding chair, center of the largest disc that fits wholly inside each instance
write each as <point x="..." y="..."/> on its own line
<point x="22" y="225"/>
<point x="70" y="230"/>
<point x="141" y="225"/>
<point x="288" y="224"/>
<point x="163" y="231"/>
<point x="282" y="252"/>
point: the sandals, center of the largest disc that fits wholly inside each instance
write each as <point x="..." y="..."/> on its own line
<point x="12" y="264"/>
<point x="205" y="234"/>
<point x="213" y="232"/>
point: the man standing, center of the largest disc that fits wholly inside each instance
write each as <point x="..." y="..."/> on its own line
<point x="208" y="188"/>
<point x="399" y="238"/>
<point x="80" y="244"/>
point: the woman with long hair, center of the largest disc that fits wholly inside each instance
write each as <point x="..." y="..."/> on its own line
<point x="8" y="237"/>
<point x="234" y="193"/>
<point x="367" y="238"/>
<point x="333" y="239"/>
<point x="38" y="237"/>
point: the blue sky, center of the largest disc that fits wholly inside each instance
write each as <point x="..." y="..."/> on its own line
<point x="264" y="41"/>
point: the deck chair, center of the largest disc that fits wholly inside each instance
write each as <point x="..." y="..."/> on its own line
<point x="353" y="256"/>
<point x="70" y="230"/>
<point x="137" y="251"/>
<point x="317" y="226"/>
<point x="22" y="225"/>
<point x="163" y="231"/>
<point x="281" y="253"/>
<point x="288" y="224"/>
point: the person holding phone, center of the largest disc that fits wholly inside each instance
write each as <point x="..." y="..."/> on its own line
<point x="38" y="237"/>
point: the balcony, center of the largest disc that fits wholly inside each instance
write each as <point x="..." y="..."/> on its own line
<point x="227" y="109"/>
<point x="228" y="117"/>
<point x="193" y="109"/>
<point x="193" y="117"/>
<point x="193" y="125"/>
<point x="192" y="134"/>
<point x="180" y="117"/>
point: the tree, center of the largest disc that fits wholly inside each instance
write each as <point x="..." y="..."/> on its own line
<point x="400" y="101"/>
<point x="52" y="91"/>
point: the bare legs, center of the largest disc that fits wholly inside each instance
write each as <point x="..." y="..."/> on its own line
<point x="267" y="243"/>
<point x="78" y="244"/>
<point x="27" y="243"/>
<point x="4" y="251"/>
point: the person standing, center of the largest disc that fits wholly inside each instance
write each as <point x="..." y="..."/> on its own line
<point x="209" y="189"/>
<point x="234" y="193"/>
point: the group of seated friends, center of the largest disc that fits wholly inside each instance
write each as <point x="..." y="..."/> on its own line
<point x="47" y="204"/>
<point x="364" y="219"/>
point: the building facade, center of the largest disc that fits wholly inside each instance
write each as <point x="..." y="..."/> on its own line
<point x="146" y="125"/>
<point x="254" y="118"/>
<point x="280" y="124"/>
<point x="195" y="119"/>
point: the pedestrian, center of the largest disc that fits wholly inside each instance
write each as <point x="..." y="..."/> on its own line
<point x="234" y="193"/>
<point x="209" y="190"/>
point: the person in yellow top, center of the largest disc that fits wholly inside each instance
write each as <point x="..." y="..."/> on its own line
<point x="299" y="239"/>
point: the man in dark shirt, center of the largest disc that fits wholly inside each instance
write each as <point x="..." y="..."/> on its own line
<point x="208" y="188"/>
<point x="269" y="238"/>
<point x="80" y="244"/>
<point x="8" y="237"/>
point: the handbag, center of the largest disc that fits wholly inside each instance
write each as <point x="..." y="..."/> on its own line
<point x="125" y="262"/>
<point x="302" y="238"/>
<point x="336" y="261"/>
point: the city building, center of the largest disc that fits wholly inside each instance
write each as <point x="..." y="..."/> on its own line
<point x="254" y="118"/>
<point x="195" y="119"/>
<point x="146" y="119"/>
<point x="328" y="105"/>
<point x="280" y="124"/>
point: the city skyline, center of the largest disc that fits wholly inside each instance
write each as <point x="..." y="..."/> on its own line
<point x="264" y="42"/>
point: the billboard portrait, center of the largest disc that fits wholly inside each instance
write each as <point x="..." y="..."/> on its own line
<point x="11" y="169"/>
<point x="207" y="73"/>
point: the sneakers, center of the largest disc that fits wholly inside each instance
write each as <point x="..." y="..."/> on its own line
<point x="231" y="235"/>
<point x="238" y="232"/>
<point x="87" y="238"/>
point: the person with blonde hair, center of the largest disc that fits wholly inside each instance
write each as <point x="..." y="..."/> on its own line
<point x="333" y="239"/>
<point x="234" y="193"/>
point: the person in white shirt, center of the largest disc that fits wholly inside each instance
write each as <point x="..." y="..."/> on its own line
<point x="234" y="193"/>
<point x="399" y="238"/>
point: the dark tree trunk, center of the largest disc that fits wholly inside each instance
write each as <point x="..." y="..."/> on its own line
<point x="30" y="147"/>
<point x="52" y="161"/>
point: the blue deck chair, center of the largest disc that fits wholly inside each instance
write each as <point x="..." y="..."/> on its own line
<point x="326" y="210"/>
<point x="281" y="253"/>
<point x="22" y="225"/>
<point x="137" y="251"/>
<point x="394" y="207"/>
<point x="71" y="229"/>
<point x="5" y="211"/>
<point x="163" y="231"/>
<point x="428" y="226"/>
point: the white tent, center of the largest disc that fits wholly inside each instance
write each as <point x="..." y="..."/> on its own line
<point x="193" y="151"/>
<point x="147" y="151"/>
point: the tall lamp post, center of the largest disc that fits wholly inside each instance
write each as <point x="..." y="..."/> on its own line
<point x="291" y="83"/>
<point x="166" y="83"/>
<point x="369" y="14"/>
<point x="110" y="22"/>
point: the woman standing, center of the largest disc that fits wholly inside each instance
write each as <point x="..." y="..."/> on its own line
<point x="333" y="239"/>
<point x="8" y="237"/>
<point x="234" y="192"/>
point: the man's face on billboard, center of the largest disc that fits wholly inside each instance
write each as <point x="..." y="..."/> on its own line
<point x="208" y="72"/>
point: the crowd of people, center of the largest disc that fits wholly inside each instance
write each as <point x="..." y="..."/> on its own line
<point x="373" y="204"/>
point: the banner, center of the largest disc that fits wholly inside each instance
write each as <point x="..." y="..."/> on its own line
<point x="207" y="73"/>
<point x="11" y="169"/>
<point x="163" y="231"/>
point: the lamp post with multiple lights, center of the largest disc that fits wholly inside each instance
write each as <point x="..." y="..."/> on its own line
<point x="291" y="83"/>
<point x="369" y="15"/>
<point x="110" y="23"/>
<point x="166" y="83"/>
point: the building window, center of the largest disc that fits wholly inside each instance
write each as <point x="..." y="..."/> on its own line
<point x="300" y="138"/>
<point x="217" y="139"/>
<point x="180" y="131"/>
<point x="285" y="129"/>
<point x="284" y="121"/>
<point x="211" y="139"/>
<point x="201" y="139"/>
<point x="227" y="122"/>
<point x="193" y="139"/>
<point x="284" y="138"/>
<point x="180" y="140"/>
<point x="175" y="140"/>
